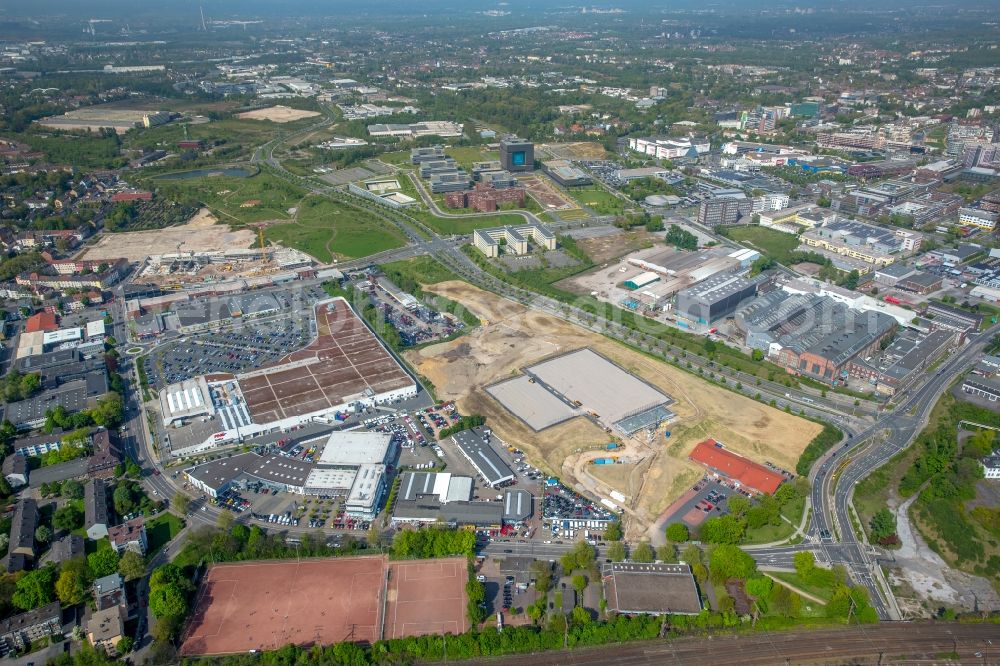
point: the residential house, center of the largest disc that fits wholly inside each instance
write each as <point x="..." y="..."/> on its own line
<point x="130" y="535"/>
<point x="15" y="470"/>
<point x="95" y="508"/>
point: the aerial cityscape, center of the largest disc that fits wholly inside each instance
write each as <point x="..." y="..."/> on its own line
<point x="521" y="332"/>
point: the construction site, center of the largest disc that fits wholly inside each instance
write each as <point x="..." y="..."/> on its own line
<point x="649" y="470"/>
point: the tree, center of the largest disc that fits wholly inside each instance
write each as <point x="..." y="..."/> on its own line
<point x="35" y="588"/>
<point x="125" y="645"/>
<point x="43" y="534"/>
<point x="67" y="518"/>
<point x="883" y="524"/>
<point x="122" y="499"/>
<point x="225" y="520"/>
<point x="580" y="616"/>
<point x="738" y="506"/>
<point x="678" y="533"/>
<point x="131" y="565"/>
<point x="71" y="587"/>
<point x="180" y="503"/>
<point x="72" y="489"/>
<point x="667" y="553"/>
<point x="103" y="562"/>
<point x="728" y="561"/>
<point x="726" y="529"/>
<point x="579" y="583"/>
<point x="804" y="562"/>
<point x="167" y="601"/>
<point x="616" y="551"/>
<point x="757" y="355"/>
<point x="613" y="532"/>
<point x="643" y="552"/>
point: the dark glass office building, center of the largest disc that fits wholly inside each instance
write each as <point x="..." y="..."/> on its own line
<point x="517" y="154"/>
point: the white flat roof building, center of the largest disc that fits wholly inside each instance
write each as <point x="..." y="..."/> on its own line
<point x="357" y="447"/>
<point x="185" y="400"/>
<point x="366" y="492"/>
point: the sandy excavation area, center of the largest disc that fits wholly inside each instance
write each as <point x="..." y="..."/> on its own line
<point x="277" y="114"/>
<point x="658" y="470"/>
<point x="200" y="234"/>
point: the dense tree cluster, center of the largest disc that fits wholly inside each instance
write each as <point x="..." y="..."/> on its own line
<point x="682" y="239"/>
<point x="432" y="542"/>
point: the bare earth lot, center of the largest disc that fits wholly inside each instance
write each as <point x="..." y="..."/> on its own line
<point x="277" y="114"/>
<point x="658" y="469"/>
<point x="200" y="234"/>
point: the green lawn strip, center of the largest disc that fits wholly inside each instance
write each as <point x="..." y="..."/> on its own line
<point x="464" y="225"/>
<point x="784" y="530"/>
<point x="795" y="581"/>
<point x="161" y="529"/>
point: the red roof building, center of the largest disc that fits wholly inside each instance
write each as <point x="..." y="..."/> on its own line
<point x="132" y="195"/>
<point x="749" y="474"/>
<point x="43" y="321"/>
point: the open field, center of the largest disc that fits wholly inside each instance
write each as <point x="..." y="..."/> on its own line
<point x="253" y="606"/>
<point x="327" y="230"/>
<point x="776" y="244"/>
<point x="464" y="225"/>
<point x="277" y="114"/>
<point x="580" y="150"/>
<point x="200" y="234"/>
<point x="515" y="337"/>
<point x="320" y="227"/>
<point x="605" y="248"/>
<point x="597" y="199"/>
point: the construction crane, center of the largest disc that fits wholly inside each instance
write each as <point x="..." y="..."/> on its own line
<point x="260" y="236"/>
<point x="91" y="23"/>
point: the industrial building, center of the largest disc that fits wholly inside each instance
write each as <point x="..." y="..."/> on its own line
<point x="676" y="270"/>
<point x="442" y="128"/>
<point x="567" y="175"/>
<point x="715" y="298"/>
<point x="515" y="239"/>
<point x="517" y="155"/>
<point x="475" y="445"/>
<point x="894" y="368"/>
<point x="351" y="465"/>
<point x="987" y="388"/>
<point x="665" y="148"/>
<point x="428" y="497"/>
<point x="650" y="589"/>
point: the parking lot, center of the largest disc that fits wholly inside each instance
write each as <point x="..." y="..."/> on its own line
<point x="567" y="515"/>
<point x="225" y="351"/>
<point x="416" y="322"/>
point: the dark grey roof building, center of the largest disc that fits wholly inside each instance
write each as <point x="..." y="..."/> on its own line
<point x="67" y="548"/>
<point x="22" y="531"/>
<point x="491" y="467"/>
<point x="19" y="631"/>
<point x="95" y="509"/>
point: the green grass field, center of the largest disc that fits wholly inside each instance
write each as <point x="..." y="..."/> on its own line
<point x="793" y="579"/>
<point x="776" y="244"/>
<point x="465" y="225"/>
<point x="160" y="530"/>
<point x="320" y="227"/>
<point x="421" y="269"/>
<point x="225" y="196"/>
<point x="329" y="230"/>
<point x="597" y="199"/>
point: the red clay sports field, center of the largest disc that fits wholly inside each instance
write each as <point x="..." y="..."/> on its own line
<point x="264" y="605"/>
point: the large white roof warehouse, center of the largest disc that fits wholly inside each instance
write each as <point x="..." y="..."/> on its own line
<point x="185" y="400"/>
<point x="356" y="448"/>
